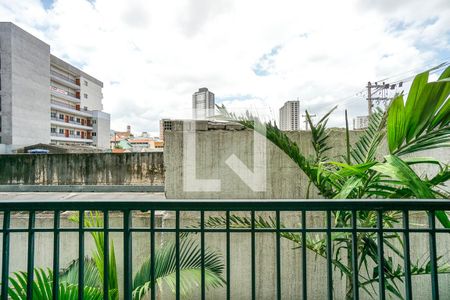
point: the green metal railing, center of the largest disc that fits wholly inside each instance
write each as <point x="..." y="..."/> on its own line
<point x="228" y="207"/>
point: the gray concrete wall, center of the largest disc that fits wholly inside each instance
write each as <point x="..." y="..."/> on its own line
<point x="240" y="264"/>
<point x="215" y="144"/>
<point x="86" y="168"/>
<point x="30" y="88"/>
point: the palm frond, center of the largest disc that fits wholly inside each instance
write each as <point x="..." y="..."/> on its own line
<point x="190" y="268"/>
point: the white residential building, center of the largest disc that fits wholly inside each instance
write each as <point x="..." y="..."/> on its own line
<point x="203" y="104"/>
<point x="361" y="122"/>
<point x="290" y="116"/>
<point x="44" y="99"/>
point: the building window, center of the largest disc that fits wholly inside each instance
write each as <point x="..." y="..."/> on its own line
<point x="0" y="139"/>
<point x="61" y="131"/>
<point x="71" y="132"/>
<point x="0" y="103"/>
<point x="61" y="116"/>
<point x="85" y="83"/>
<point x="94" y="121"/>
<point x="71" y="118"/>
<point x="78" y="133"/>
<point x="85" y="96"/>
<point x="0" y="123"/>
<point x="78" y="120"/>
<point x="53" y="130"/>
<point x="94" y="133"/>
<point x="53" y="115"/>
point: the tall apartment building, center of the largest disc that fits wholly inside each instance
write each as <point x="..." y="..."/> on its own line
<point x="361" y="122"/>
<point x="290" y="116"/>
<point x="44" y="99"/>
<point x="203" y="104"/>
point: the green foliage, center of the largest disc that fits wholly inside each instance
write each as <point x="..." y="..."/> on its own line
<point x="421" y="123"/>
<point x="190" y="269"/>
<point x="42" y="287"/>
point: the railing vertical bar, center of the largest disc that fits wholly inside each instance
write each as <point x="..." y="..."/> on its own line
<point x="5" y="254"/>
<point x="127" y="255"/>
<point x="355" y="275"/>
<point x="30" y="255"/>
<point x="55" y="283"/>
<point x="177" y="254"/>
<point x="406" y="255"/>
<point x="106" y="255"/>
<point x="380" y="250"/>
<point x="253" y="253"/>
<point x="304" y="266"/>
<point x="152" y="255"/>
<point x="228" y="256"/>
<point x="202" y="250"/>
<point x="433" y="256"/>
<point x="81" y="255"/>
<point x="329" y="257"/>
<point x="278" y="255"/>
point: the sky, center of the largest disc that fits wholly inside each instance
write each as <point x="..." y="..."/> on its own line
<point x="253" y="55"/>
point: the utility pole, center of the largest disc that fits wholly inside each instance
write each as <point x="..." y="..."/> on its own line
<point x="369" y="98"/>
<point x="306" y="120"/>
<point x="382" y="90"/>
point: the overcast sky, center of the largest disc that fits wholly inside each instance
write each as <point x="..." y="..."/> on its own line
<point x="152" y="55"/>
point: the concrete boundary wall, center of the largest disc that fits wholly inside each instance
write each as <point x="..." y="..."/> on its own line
<point x="146" y="168"/>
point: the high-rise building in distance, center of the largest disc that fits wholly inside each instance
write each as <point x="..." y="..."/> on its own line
<point x="44" y="99"/>
<point x="290" y="116"/>
<point x="361" y="122"/>
<point x="203" y="104"/>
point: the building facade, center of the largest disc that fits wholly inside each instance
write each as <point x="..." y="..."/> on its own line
<point x="164" y="124"/>
<point x="44" y="99"/>
<point x="290" y="116"/>
<point x="361" y="122"/>
<point x="203" y="104"/>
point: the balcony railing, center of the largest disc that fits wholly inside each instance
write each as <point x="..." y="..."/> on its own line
<point x="66" y="78"/>
<point x="63" y="92"/>
<point x="252" y="227"/>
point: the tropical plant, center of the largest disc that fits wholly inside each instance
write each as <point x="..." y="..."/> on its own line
<point x="165" y="270"/>
<point x="421" y="123"/>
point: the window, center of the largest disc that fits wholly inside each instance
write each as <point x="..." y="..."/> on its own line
<point x="53" y="115"/>
<point x="53" y="130"/>
<point x="71" y="118"/>
<point x="85" y="83"/>
<point x="78" y="120"/>
<point x="0" y="139"/>
<point x="0" y="123"/>
<point x="78" y="133"/>
<point x="85" y="96"/>
<point x="94" y="133"/>
<point x="61" y="116"/>
<point x="94" y="121"/>
<point x="0" y="103"/>
<point x="61" y="131"/>
<point x="71" y="132"/>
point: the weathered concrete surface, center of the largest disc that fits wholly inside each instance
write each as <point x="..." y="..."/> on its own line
<point x="284" y="178"/>
<point x="84" y="168"/>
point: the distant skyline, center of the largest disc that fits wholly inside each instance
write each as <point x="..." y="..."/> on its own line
<point x="153" y="55"/>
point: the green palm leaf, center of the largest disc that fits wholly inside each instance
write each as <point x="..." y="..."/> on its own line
<point x="42" y="287"/>
<point x="190" y="269"/>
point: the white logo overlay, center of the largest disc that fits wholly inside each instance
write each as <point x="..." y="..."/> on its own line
<point x="255" y="179"/>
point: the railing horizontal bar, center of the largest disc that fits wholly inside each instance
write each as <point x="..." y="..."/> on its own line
<point x="234" y="230"/>
<point x="232" y="205"/>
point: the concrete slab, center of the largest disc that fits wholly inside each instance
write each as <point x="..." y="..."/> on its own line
<point x="80" y="196"/>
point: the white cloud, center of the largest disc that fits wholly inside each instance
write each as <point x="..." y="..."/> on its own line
<point x="152" y="55"/>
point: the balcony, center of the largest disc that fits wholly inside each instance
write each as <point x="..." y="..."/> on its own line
<point x="64" y="80"/>
<point x="71" y="124"/>
<point x="272" y="249"/>
<point x="63" y="107"/>
<point x="70" y="138"/>
<point x="57" y="92"/>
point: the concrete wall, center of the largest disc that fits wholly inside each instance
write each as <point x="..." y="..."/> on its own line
<point x="87" y="168"/>
<point x="216" y="142"/>
<point x="240" y="264"/>
<point x="28" y="89"/>
<point x="101" y="126"/>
